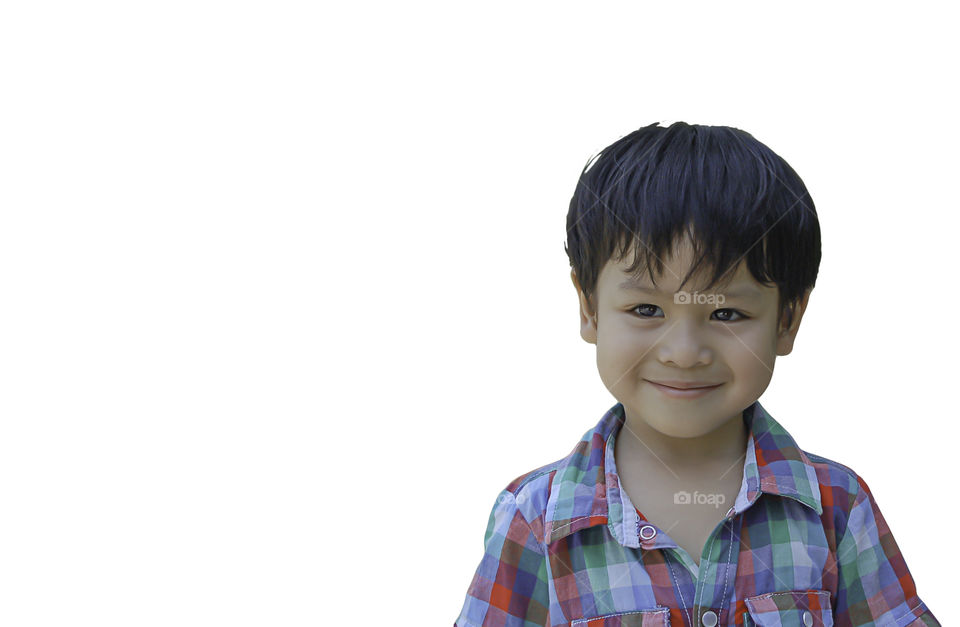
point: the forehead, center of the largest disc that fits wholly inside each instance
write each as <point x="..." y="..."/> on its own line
<point x="615" y="278"/>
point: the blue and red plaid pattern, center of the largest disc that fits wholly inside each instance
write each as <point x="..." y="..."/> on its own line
<point x="804" y="544"/>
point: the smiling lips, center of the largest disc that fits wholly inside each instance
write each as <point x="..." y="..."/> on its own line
<point x="684" y="389"/>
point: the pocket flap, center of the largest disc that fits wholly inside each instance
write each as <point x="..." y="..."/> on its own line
<point x="795" y="608"/>
<point x="659" y="617"/>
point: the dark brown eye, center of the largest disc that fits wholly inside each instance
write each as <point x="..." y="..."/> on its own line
<point x="646" y="310"/>
<point x="733" y="312"/>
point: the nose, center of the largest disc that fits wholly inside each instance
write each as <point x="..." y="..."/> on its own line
<point x="682" y="346"/>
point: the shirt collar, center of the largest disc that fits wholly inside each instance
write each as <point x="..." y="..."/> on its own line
<point x="585" y="489"/>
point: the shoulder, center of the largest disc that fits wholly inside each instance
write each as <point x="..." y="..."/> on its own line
<point x="536" y="494"/>
<point x="530" y="492"/>
<point x="834" y="475"/>
<point x="841" y="490"/>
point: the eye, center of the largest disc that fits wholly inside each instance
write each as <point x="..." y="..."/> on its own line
<point x="732" y="312"/>
<point x="646" y="310"/>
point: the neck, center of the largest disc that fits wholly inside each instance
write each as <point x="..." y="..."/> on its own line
<point x="718" y="452"/>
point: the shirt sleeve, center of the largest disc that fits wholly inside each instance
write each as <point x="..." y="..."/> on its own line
<point x="509" y="587"/>
<point x="874" y="584"/>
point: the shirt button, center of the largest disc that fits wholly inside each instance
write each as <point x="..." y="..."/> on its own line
<point x="647" y="532"/>
<point x="808" y="619"/>
<point x="709" y="619"/>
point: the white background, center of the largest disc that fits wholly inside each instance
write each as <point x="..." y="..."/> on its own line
<point x="285" y="302"/>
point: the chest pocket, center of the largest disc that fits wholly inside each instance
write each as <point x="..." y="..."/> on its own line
<point x="659" y="617"/>
<point x="797" y="608"/>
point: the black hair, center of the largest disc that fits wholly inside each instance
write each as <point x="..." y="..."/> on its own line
<point x="730" y="193"/>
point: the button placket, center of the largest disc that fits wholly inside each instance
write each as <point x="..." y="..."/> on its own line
<point x="717" y="555"/>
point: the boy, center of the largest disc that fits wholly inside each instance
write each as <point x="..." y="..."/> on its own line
<point x="694" y="250"/>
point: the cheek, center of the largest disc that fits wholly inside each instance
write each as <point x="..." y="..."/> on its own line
<point x="619" y="350"/>
<point x="751" y="353"/>
<point x="618" y="340"/>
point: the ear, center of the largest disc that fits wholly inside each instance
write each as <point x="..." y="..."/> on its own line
<point x="588" y="318"/>
<point x="787" y="334"/>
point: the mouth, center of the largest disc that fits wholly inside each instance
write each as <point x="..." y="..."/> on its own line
<point x="681" y="389"/>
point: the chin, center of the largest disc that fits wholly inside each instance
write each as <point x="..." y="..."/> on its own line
<point x="686" y="427"/>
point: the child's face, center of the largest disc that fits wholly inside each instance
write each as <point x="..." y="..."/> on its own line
<point x="643" y="337"/>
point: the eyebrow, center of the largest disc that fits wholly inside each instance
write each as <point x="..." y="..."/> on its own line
<point x="745" y="291"/>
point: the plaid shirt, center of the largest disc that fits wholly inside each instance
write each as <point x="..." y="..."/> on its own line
<point x="565" y="546"/>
